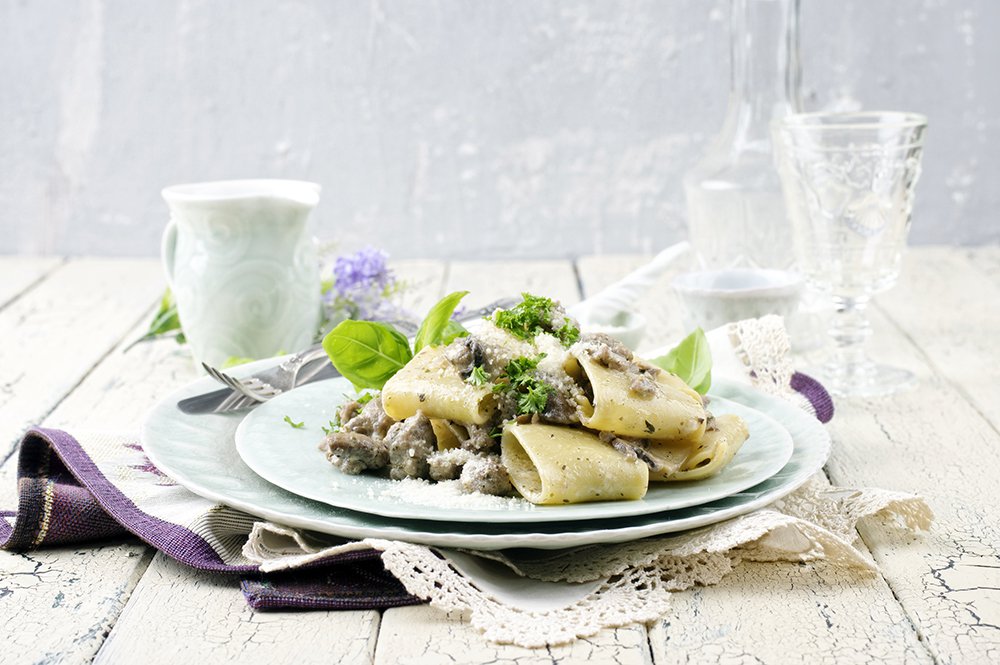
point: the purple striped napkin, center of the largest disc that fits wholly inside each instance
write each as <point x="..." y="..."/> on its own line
<point x="87" y="488"/>
<point x="65" y="498"/>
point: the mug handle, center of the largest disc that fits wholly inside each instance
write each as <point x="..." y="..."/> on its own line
<point x="168" y="248"/>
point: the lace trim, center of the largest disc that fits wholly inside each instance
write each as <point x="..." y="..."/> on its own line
<point x="635" y="580"/>
<point x="762" y="346"/>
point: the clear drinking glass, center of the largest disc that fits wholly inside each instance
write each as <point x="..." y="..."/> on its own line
<point x="848" y="180"/>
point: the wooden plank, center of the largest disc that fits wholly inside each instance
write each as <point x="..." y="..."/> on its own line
<point x="234" y="632"/>
<point x="987" y="259"/>
<point x="79" y="598"/>
<point x="783" y="613"/>
<point x="948" y="303"/>
<point x="748" y="617"/>
<point x="18" y="273"/>
<point x="55" y="334"/>
<point x="932" y="441"/>
<point x="423" y="635"/>
<point x="422" y="283"/>
<point x="944" y="580"/>
<point x="177" y="614"/>
<point x="59" y="603"/>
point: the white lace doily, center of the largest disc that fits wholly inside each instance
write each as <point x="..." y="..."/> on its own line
<point x="578" y="592"/>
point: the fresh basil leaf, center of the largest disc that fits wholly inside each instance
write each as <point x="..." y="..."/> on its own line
<point x="691" y="360"/>
<point x="453" y="331"/>
<point x="432" y="330"/>
<point x="366" y="353"/>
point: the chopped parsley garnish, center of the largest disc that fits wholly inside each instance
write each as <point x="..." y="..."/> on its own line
<point x="478" y="377"/>
<point x="294" y="424"/>
<point x="534" y="398"/>
<point x="568" y="334"/>
<point x="332" y="426"/>
<point x="517" y="371"/>
<point x="335" y="425"/>
<point x="519" y="380"/>
<point x="532" y="317"/>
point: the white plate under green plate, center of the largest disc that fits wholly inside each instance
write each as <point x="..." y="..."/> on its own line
<point x="200" y="454"/>
<point x="290" y="458"/>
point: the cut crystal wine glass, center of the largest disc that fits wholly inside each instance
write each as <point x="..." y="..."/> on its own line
<point x="849" y="180"/>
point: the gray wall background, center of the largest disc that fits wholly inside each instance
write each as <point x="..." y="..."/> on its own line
<point x="451" y="127"/>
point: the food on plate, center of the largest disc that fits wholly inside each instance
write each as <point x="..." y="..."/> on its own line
<point x="551" y="464"/>
<point x="715" y="450"/>
<point x="431" y="383"/>
<point x="627" y="396"/>
<point x="526" y="405"/>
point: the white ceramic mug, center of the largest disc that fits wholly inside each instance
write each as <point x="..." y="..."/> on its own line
<point x="242" y="266"/>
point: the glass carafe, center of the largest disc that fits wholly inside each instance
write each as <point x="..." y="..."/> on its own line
<point x="736" y="211"/>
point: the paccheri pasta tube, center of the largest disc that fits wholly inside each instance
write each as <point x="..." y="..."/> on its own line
<point x="431" y="384"/>
<point x="664" y="458"/>
<point x="715" y="450"/>
<point x="446" y="433"/>
<point x="549" y="464"/>
<point x="671" y="411"/>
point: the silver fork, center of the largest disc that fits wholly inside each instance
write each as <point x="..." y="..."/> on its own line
<point x="234" y="402"/>
<point x="271" y="382"/>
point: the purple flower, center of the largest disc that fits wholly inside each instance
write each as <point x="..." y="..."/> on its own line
<point x="364" y="287"/>
<point x="362" y="271"/>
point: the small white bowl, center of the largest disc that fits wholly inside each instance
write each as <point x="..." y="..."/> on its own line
<point x="714" y="297"/>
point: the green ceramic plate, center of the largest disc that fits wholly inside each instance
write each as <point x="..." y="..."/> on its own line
<point x="289" y="458"/>
<point x="199" y="452"/>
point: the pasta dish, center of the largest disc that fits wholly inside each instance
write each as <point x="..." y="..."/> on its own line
<point x="529" y="406"/>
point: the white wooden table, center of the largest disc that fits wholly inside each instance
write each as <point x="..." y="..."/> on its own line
<point x="64" y="325"/>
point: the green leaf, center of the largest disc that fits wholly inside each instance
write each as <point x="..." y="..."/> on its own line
<point x="165" y="322"/>
<point x="166" y="319"/>
<point x="366" y="353"/>
<point x="691" y="360"/>
<point x="453" y="331"/>
<point x="432" y="330"/>
<point x="332" y="426"/>
<point x="478" y="377"/>
<point x="519" y="380"/>
<point x="534" y="398"/>
<point x="235" y="361"/>
<point x="294" y="424"/>
<point x="533" y="316"/>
